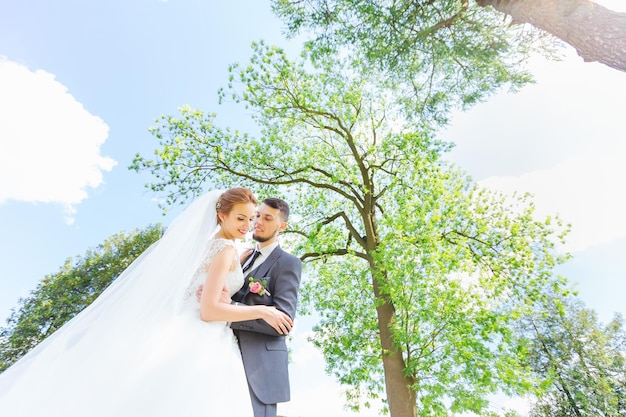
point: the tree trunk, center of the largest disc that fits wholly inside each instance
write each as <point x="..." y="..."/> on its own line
<point x="400" y="397"/>
<point x="597" y="33"/>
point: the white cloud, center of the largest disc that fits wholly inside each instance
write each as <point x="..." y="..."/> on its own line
<point x="49" y="143"/>
<point x="561" y="139"/>
<point x="586" y="190"/>
<point x="519" y="404"/>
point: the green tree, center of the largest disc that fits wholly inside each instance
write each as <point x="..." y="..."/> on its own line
<point x="436" y="55"/>
<point x="417" y="274"/>
<point x="409" y="37"/>
<point x="62" y="295"/>
<point x="585" y="360"/>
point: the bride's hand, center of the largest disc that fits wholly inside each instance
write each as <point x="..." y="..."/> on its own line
<point x="280" y="321"/>
<point x="245" y="254"/>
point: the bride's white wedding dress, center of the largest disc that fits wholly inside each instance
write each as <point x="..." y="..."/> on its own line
<point x="140" y="351"/>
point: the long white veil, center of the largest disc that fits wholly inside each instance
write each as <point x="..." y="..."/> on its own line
<point x="105" y="339"/>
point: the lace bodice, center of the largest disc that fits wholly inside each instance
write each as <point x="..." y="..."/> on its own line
<point x="234" y="277"/>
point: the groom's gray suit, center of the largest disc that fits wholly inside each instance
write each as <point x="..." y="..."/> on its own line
<point x="264" y="351"/>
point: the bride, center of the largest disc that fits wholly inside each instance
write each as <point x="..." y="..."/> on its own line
<point x="147" y="346"/>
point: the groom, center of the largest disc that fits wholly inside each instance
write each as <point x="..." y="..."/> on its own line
<point x="264" y="351"/>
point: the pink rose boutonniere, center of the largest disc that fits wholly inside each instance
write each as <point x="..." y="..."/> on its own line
<point x="258" y="286"/>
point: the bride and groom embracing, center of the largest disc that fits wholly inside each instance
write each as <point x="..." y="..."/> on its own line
<point x="182" y="331"/>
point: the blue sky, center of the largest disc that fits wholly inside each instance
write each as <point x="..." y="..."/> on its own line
<point x="82" y="81"/>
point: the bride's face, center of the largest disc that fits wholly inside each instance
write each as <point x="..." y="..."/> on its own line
<point x="238" y="222"/>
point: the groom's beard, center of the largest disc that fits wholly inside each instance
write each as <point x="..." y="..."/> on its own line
<point x="262" y="239"/>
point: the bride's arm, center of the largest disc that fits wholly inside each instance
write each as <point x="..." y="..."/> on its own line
<point x="211" y="309"/>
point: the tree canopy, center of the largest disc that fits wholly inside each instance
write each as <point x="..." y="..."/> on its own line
<point x="585" y="361"/>
<point x="62" y="295"/>
<point x="438" y="56"/>
<point x="480" y="42"/>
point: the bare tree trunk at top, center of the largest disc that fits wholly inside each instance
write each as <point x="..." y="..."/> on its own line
<point x="597" y="33"/>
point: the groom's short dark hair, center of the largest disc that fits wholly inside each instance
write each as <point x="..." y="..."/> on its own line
<point x="281" y="205"/>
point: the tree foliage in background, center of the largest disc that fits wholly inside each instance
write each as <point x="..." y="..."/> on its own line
<point x="438" y="56"/>
<point x="454" y="41"/>
<point x="585" y="360"/>
<point x="418" y="275"/>
<point x="62" y="295"/>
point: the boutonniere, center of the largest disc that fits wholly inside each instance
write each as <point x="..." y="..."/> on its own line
<point x="258" y="286"/>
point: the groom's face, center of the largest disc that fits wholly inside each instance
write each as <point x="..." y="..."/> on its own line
<point x="268" y="224"/>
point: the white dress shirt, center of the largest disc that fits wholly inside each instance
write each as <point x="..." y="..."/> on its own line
<point x="265" y="252"/>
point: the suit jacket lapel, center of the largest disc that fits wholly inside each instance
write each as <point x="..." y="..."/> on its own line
<point x="262" y="270"/>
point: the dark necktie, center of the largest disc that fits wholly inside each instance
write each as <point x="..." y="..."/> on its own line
<point x="251" y="260"/>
